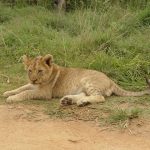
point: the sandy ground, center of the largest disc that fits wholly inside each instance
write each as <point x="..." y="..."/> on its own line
<point x="22" y="128"/>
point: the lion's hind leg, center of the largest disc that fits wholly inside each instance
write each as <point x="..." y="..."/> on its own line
<point x="93" y="95"/>
<point x="81" y="99"/>
<point x="90" y="100"/>
<point x="71" y="99"/>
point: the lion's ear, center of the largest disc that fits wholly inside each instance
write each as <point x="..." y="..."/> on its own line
<point x="48" y="59"/>
<point x="26" y="61"/>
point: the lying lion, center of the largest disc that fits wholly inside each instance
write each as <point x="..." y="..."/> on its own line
<point x="74" y="85"/>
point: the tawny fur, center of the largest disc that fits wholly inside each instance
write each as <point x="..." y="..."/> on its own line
<point x="72" y="85"/>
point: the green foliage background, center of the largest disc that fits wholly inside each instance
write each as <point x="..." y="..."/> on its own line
<point x="77" y="4"/>
<point x="112" y="36"/>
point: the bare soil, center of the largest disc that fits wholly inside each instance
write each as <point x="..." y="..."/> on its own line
<point x="25" y="127"/>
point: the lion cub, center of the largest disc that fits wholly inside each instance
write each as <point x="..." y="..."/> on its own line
<point x="74" y="85"/>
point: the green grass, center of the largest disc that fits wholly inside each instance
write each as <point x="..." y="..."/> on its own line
<point x="121" y="115"/>
<point x="115" y="41"/>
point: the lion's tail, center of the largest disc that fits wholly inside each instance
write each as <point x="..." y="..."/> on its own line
<point x="121" y="92"/>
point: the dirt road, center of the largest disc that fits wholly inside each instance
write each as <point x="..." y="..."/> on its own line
<point x="22" y="128"/>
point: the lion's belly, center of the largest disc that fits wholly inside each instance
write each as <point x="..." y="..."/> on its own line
<point x="61" y="92"/>
<point x="69" y="88"/>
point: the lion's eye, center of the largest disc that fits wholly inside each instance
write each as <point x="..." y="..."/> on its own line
<point x="40" y="71"/>
<point x="30" y="70"/>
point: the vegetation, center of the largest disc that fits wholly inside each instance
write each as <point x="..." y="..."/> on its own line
<point x="109" y="36"/>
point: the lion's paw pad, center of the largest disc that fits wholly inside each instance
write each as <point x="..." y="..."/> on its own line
<point x="66" y="101"/>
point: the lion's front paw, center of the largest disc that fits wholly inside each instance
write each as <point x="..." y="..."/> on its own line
<point x="11" y="99"/>
<point x="66" y="101"/>
<point x="7" y="94"/>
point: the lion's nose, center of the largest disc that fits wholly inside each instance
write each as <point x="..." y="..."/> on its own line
<point x="34" y="80"/>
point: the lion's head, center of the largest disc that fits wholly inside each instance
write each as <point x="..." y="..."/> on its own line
<point x="39" y="69"/>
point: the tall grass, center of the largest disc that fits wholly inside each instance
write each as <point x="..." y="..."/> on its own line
<point x="79" y="4"/>
<point x="115" y="41"/>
